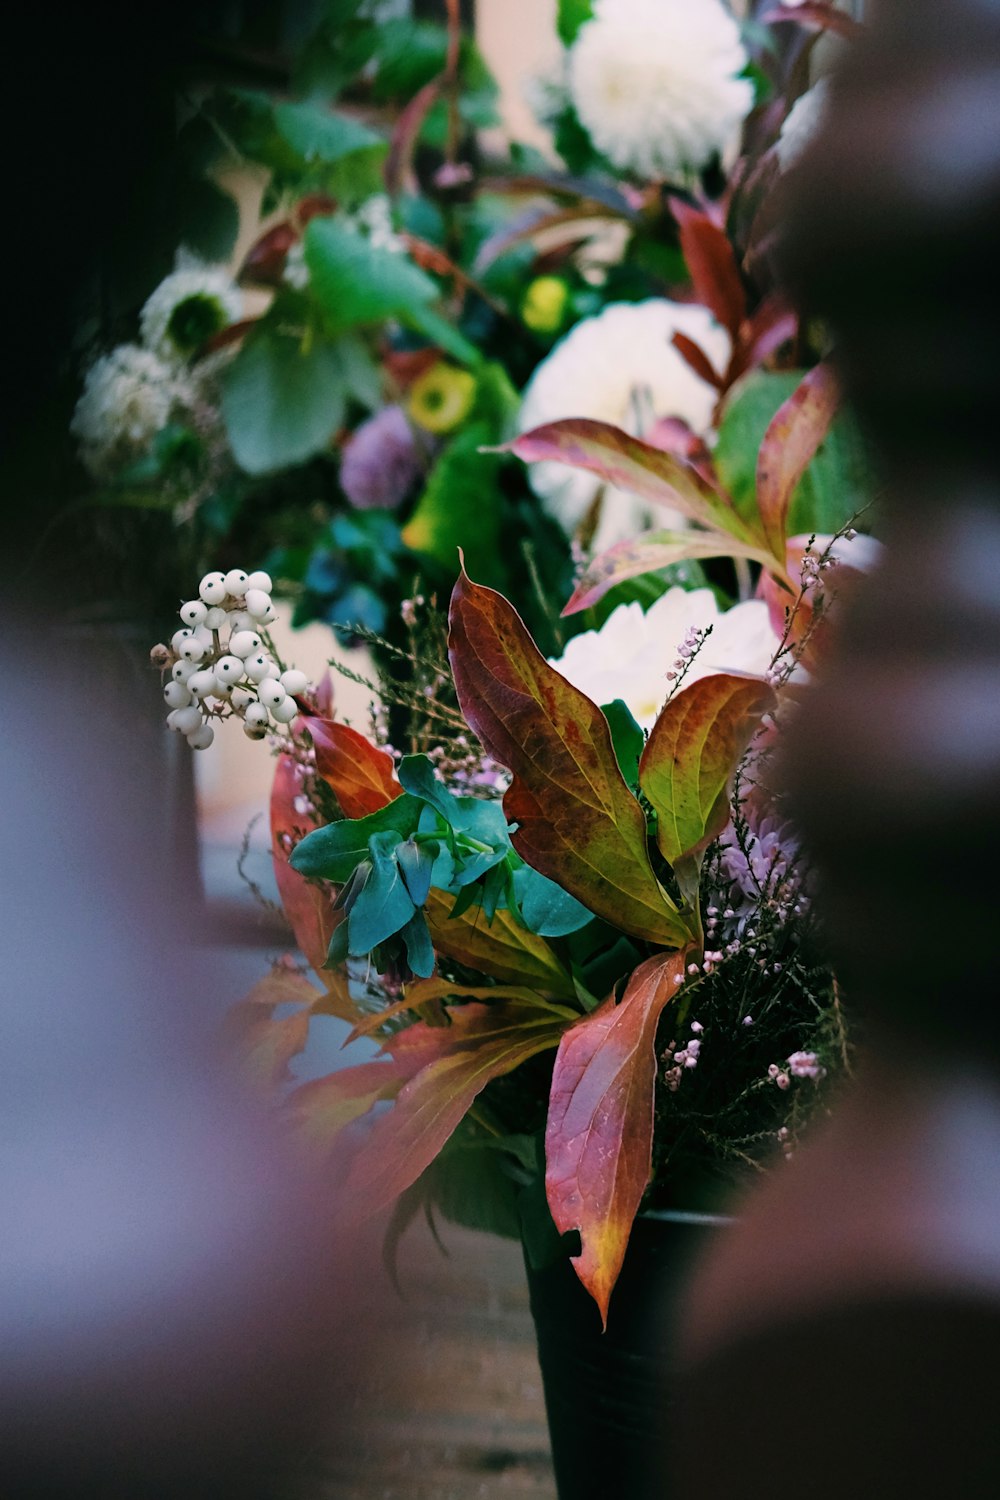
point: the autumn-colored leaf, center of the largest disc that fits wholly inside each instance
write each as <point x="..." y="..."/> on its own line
<point x="503" y="947"/>
<point x="649" y="551"/>
<point x="796" y="430"/>
<point x="599" y="1135"/>
<point x="362" y="776"/>
<point x="694" y="355"/>
<point x="405" y="133"/>
<point x="319" y="1110"/>
<point x="577" y="821"/>
<point x="264" y="263"/>
<point x="691" y="754"/>
<point x="483" y="1042"/>
<point x="308" y="906"/>
<point x="711" y="264"/>
<point x="430" y="991"/>
<point x="263" y="1045"/>
<point x="629" y="464"/>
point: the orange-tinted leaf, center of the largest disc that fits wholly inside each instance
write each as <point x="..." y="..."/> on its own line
<point x="816" y="15"/>
<point x="429" y="991"/>
<point x="629" y="464"/>
<point x="502" y="948"/>
<point x="711" y="264"/>
<point x="362" y="775"/>
<point x="264" y="263"/>
<point x="649" y="551"/>
<point x="692" y="751"/>
<point x="263" y="1045"/>
<point x="599" y="1136"/>
<point x="483" y="1042"/>
<point x="308" y="906"/>
<point x="694" y="355"/>
<point x="578" y="823"/>
<point x="796" y="430"/>
<point x="406" y="131"/>
<point x="321" y="1109"/>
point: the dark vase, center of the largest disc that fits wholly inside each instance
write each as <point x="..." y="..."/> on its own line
<point x="608" y="1394"/>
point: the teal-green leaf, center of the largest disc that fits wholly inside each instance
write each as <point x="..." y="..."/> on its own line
<point x="419" y="948"/>
<point x="334" y="851"/>
<point x="626" y="737"/>
<point x="416" y="775"/>
<point x="383" y="907"/>
<point x="281" y="404"/>
<point x="545" y="908"/>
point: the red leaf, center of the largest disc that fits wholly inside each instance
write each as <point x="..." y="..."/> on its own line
<point x="796" y="430"/>
<point x="483" y="1042"/>
<point x="308" y="906"/>
<point x="691" y="754"/>
<point x="577" y="821"/>
<point x="599" y="1136"/>
<point x="320" y="1110"/>
<point x="314" y="206"/>
<point x="649" y="551"/>
<point x="712" y="265"/>
<point x="630" y="464"/>
<point x="266" y="1046"/>
<point x="772" y="325"/>
<point x="406" y="131"/>
<point x="362" y="775"/>
<point x="694" y="355"/>
<point x="264" y="262"/>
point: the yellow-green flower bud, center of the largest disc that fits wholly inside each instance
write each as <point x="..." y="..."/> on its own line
<point x="543" y="306"/>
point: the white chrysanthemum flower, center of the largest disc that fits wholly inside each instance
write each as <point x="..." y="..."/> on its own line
<point x="188" y="307"/>
<point x="630" y="655"/>
<point x="656" y="83"/>
<point x="128" y="396"/>
<point x="803" y="124"/>
<point x="619" y="367"/>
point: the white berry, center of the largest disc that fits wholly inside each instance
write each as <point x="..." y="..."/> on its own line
<point x="212" y="588"/>
<point x="176" y="695"/>
<point x="244" y="643"/>
<point x="285" y="711"/>
<point x="192" y="649"/>
<point x="271" y="693"/>
<point x="202" y="683"/>
<point x="182" y="670"/>
<point x="194" y="612"/>
<point x="239" y="619"/>
<point x="257" y="667"/>
<point x="229" y="669"/>
<point x="203" y="633"/>
<point x="186" y="720"/>
<point x="236" y="582"/>
<point x="241" y="699"/>
<point x="260" y="580"/>
<point x="179" y="637"/>
<point x="202" y="737"/>
<point x="256" y="716"/>
<point x="216" y="617"/>
<point x="294" y="681"/>
<point x="258" y="603"/>
<point x="254" y="731"/>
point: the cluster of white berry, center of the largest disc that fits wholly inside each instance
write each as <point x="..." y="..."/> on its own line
<point x="220" y="665"/>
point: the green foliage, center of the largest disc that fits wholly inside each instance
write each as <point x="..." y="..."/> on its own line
<point x="837" y="483"/>
<point x="461" y="507"/>
<point x="627" y="738"/>
<point x="571" y="16"/>
<point x="282" y="400"/>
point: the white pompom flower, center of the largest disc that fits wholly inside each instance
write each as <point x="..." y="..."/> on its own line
<point x="187" y="308"/>
<point x="630" y="655"/>
<point x="656" y="83"/>
<point x="128" y="397"/>
<point x="619" y="367"/>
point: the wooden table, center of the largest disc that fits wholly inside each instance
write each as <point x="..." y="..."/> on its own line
<point x="452" y="1406"/>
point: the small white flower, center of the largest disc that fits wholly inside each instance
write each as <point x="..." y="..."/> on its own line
<point x="803" y="123"/>
<point x="626" y="658"/>
<point x="188" y="307"/>
<point x="619" y="367"/>
<point x="374" y="220"/>
<point x="128" y="396"/>
<point x="656" y="83"/>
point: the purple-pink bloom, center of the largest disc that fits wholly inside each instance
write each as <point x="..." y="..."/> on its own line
<point x="381" y="461"/>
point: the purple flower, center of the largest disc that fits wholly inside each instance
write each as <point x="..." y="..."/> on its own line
<point x="380" y="462"/>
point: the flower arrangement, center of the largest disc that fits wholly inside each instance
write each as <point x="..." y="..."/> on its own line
<point x="573" y="913"/>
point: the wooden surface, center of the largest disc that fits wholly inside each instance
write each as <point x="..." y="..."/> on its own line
<point x="452" y="1406"/>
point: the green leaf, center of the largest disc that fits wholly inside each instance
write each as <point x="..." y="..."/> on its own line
<point x="570" y="17"/>
<point x="627" y="738"/>
<point x="578" y="823"/>
<point x="334" y="851"/>
<point x="356" y="283"/>
<point x="545" y="907"/>
<point x="318" y="134"/>
<point x="281" y="403"/>
<point x="419" y="948"/>
<point x="835" y="486"/>
<point x="416" y="775"/>
<point x="461" y="506"/>
<point x="417" y="864"/>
